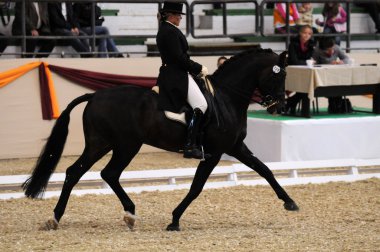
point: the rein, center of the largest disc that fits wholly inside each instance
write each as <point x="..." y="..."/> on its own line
<point x="266" y="101"/>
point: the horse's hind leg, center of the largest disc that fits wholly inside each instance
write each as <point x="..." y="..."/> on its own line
<point x="73" y="174"/>
<point x="111" y="174"/>
<point x="244" y="155"/>
<point x="201" y="175"/>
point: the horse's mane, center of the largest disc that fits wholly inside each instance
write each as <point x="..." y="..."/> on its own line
<point x="218" y="79"/>
<point x="240" y="55"/>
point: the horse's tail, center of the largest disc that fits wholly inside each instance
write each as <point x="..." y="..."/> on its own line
<point x="51" y="153"/>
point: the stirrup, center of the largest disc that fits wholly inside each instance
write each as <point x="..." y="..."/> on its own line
<point x="204" y="156"/>
<point x="187" y="154"/>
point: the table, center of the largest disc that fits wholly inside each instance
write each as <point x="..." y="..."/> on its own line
<point x="334" y="80"/>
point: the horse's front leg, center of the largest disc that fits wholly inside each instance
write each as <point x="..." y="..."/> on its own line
<point x="201" y="175"/>
<point x="244" y="155"/>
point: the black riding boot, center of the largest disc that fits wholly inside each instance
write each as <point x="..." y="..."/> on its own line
<point x="192" y="148"/>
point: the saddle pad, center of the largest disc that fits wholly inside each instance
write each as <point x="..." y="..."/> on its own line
<point x="176" y="117"/>
<point x="170" y="115"/>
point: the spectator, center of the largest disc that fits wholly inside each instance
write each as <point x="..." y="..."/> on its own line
<point x="330" y="53"/>
<point x="3" y="43"/>
<point x="64" y="23"/>
<point x="5" y="15"/>
<point x="36" y="24"/>
<point x="305" y="11"/>
<point x="334" y="19"/>
<point x="279" y="18"/>
<point x="220" y="61"/>
<point x="301" y="48"/>
<point x="84" y="13"/>
<point x="373" y="9"/>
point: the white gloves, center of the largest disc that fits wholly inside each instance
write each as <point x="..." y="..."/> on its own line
<point x="204" y="71"/>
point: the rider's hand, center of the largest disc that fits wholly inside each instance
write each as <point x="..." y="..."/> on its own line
<point x="204" y="71"/>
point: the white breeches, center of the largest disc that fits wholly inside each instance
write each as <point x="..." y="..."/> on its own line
<point x="195" y="97"/>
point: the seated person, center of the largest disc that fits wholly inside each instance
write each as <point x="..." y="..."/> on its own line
<point x="330" y="53"/>
<point x="301" y="48"/>
<point x="64" y="23"/>
<point x="220" y="61"/>
<point x="36" y="24"/>
<point x="3" y="43"/>
<point x="279" y="18"/>
<point x="305" y="11"/>
<point x="5" y="19"/>
<point x="83" y="12"/>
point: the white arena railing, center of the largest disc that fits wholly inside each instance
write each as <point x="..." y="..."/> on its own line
<point x="287" y="173"/>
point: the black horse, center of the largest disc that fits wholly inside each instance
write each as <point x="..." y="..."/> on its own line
<point x="122" y="119"/>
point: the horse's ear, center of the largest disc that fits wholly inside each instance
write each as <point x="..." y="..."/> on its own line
<point x="283" y="61"/>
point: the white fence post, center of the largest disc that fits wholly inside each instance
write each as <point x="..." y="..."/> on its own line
<point x="353" y="170"/>
<point x="293" y="174"/>
<point x="172" y="181"/>
<point x="232" y="177"/>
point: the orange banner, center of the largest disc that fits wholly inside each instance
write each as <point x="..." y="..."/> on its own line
<point x="53" y="96"/>
<point x="10" y="75"/>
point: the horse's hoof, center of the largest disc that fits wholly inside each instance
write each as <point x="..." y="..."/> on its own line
<point x="51" y="224"/>
<point x="130" y="220"/>
<point x="291" y="206"/>
<point x="173" y="227"/>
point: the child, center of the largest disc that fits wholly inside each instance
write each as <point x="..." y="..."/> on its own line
<point x="305" y="11"/>
<point x="279" y="18"/>
<point x="334" y="19"/>
<point x="330" y="53"/>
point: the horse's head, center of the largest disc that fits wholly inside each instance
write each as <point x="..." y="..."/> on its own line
<point x="257" y="73"/>
<point x="272" y="85"/>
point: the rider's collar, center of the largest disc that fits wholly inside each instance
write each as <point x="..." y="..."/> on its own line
<point x="171" y="23"/>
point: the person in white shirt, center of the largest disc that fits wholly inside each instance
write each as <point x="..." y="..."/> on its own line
<point x="64" y="23"/>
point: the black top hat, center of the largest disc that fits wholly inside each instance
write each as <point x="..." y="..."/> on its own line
<point x="172" y="7"/>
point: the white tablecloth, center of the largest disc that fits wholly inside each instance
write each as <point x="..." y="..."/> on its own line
<point x="305" y="79"/>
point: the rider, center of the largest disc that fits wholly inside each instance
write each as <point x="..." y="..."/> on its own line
<point x="175" y="80"/>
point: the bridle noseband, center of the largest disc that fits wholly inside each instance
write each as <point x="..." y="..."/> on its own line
<point x="267" y="101"/>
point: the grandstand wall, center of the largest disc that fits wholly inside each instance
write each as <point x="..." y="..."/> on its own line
<point x="23" y="132"/>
